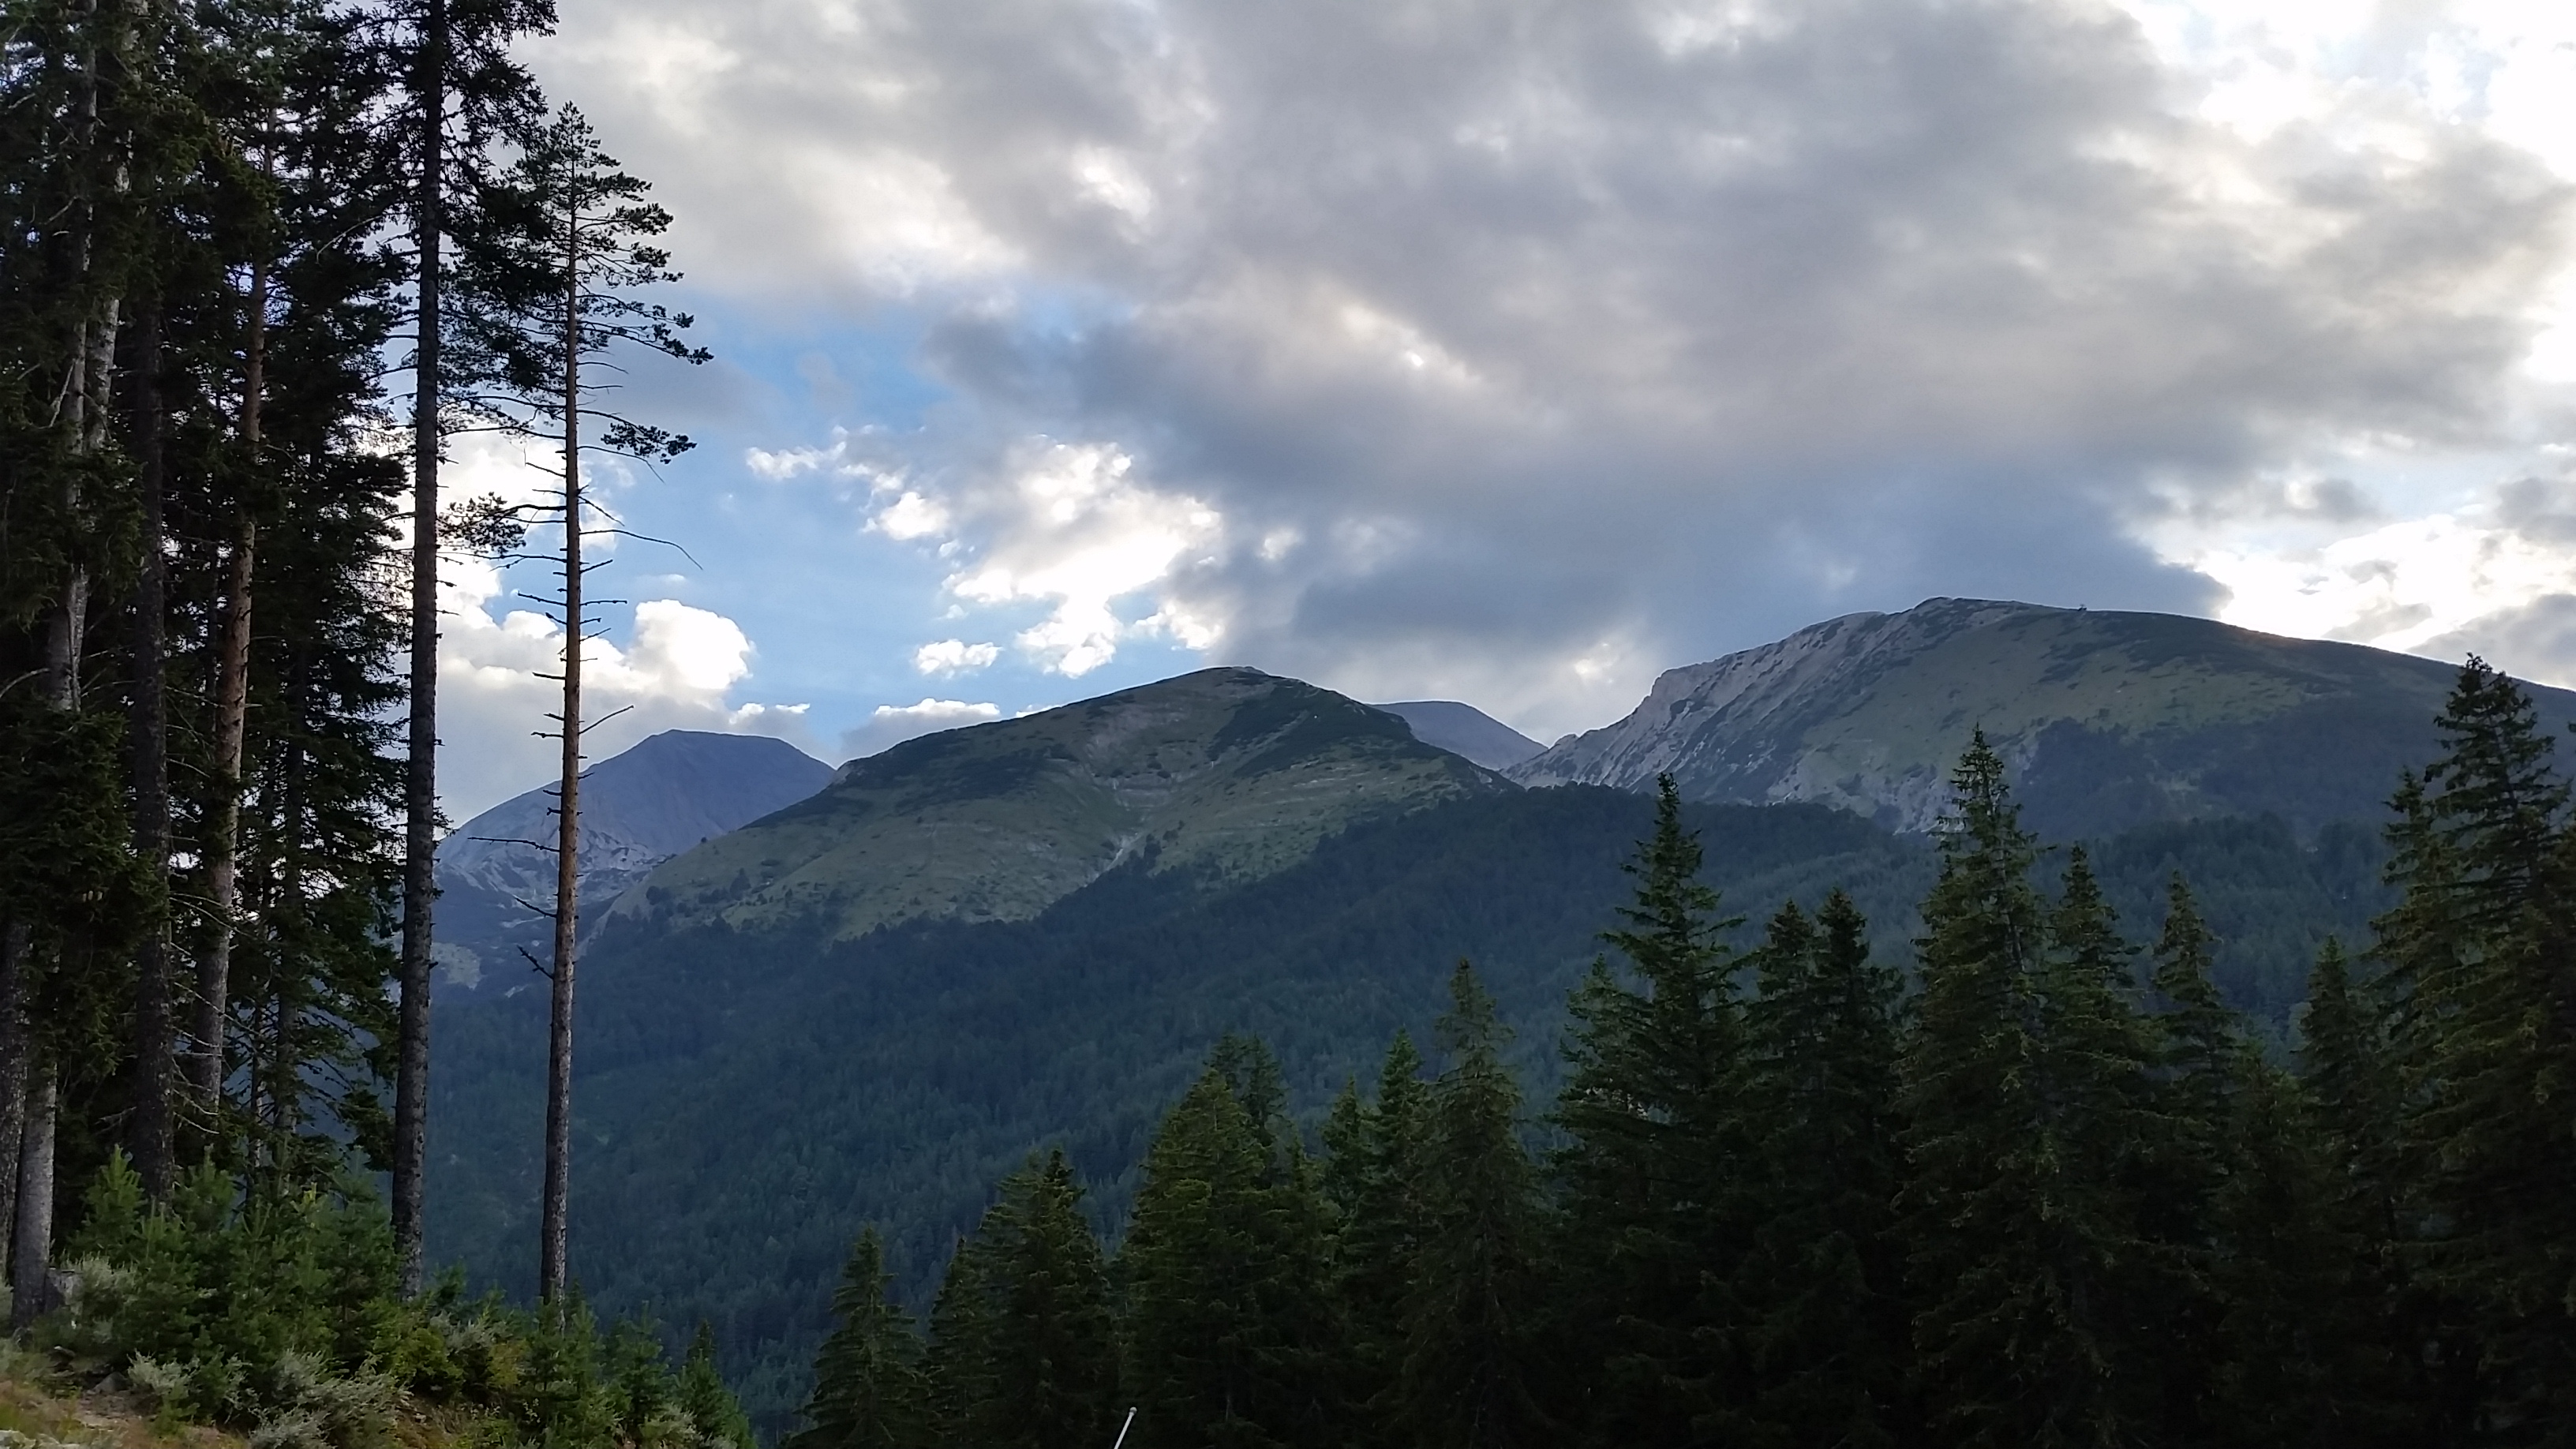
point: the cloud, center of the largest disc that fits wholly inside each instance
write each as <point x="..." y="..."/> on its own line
<point x="954" y="656"/>
<point x="892" y="724"/>
<point x="678" y="670"/>
<point x="1514" y="351"/>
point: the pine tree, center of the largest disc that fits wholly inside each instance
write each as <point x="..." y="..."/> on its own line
<point x="1227" y="1334"/>
<point x="1371" y="1182"/>
<point x="2285" y="1333"/>
<point x="868" y="1386"/>
<point x="462" y="88"/>
<point x="2202" y="1060"/>
<point x="2011" y="1088"/>
<point x="1468" y="1363"/>
<point x="1824" y="1285"/>
<point x="2485" y="1039"/>
<point x="703" y="1399"/>
<point x="2382" y="1392"/>
<point x="1649" y="1218"/>
<point x="1022" y="1348"/>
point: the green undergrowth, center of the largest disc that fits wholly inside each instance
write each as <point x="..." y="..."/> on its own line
<point x="276" y="1316"/>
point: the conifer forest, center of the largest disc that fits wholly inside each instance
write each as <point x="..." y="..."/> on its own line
<point x="2026" y="1178"/>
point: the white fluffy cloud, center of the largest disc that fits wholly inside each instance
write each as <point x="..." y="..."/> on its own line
<point x="678" y="670"/>
<point x="1516" y="350"/>
<point x="892" y="724"/>
<point x="954" y="656"/>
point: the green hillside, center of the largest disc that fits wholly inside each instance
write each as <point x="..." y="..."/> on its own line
<point x="1227" y="772"/>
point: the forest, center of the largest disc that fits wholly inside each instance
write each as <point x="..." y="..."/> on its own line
<point x="2036" y="1185"/>
<point x="263" y="261"/>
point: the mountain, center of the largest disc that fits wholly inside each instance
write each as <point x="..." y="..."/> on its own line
<point x="2107" y="720"/>
<point x="1224" y="773"/>
<point x="1463" y="729"/>
<point x="638" y="809"/>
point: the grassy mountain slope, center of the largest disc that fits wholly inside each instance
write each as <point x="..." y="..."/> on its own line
<point x="1225" y="771"/>
<point x="2108" y="720"/>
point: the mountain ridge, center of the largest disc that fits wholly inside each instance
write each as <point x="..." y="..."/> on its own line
<point x="2106" y="719"/>
<point x="1228" y="771"/>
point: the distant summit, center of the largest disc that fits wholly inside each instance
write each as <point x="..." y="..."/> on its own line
<point x="1463" y="729"/>
<point x="1229" y="773"/>
<point x="2107" y="720"/>
<point x="638" y="809"/>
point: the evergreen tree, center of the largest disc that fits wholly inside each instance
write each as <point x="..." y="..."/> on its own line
<point x="2011" y="1092"/>
<point x="2485" y="1040"/>
<point x="2202" y="1059"/>
<point x="1371" y="1181"/>
<point x="710" y="1408"/>
<point x="2285" y="1335"/>
<point x="868" y="1387"/>
<point x="1022" y="1349"/>
<point x="1228" y="1337"/>
<point x="1650" y="1225"/>
<point x="1824" y="1284"/>
<point x="2382" y="1393"/>
<point x="1468" y="1363"/>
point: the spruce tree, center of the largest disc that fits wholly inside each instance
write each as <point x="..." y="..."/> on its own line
<point x="868" y="1387"/>
<point x="1469" y="1363"/>
<point x="1372" y="1182"/>
<point x="2485" y="1039"/>
<point x="2384" y="1392"/>
<point x="1650" y="1220"/>
<point x="1022" y="1348"/>
<point x="2013" y="1093"/>
<point x="1824" y="1287"/>
<point x="2201" y="1127"/>
<point x="1228" y="1338"/>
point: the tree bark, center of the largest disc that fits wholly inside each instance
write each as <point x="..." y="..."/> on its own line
<point x="31" y="1252"/>
<point x="551" y="1232"/>
<point x="232" y="701"/>
<point x="13" y="1068"/>
<point x="148" y="1127"/>
<point x="420" y="780"/>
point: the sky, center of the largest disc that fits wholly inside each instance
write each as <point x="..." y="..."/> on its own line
<point x="1514" y="351"/>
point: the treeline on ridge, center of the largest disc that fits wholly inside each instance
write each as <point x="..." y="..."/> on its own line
<point x="2054" y="1193"/>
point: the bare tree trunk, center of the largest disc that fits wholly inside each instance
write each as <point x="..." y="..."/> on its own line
<point x="148" y="1130"/>
<point x="232" y="703"/>
<point x="420" y="779"/>
<point x="551" y="1237"/>
<point x="13" y="1068"/>
<point x="31" y="1256"/>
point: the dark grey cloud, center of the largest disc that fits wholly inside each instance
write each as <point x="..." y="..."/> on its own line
<point x="1525" y="346"/>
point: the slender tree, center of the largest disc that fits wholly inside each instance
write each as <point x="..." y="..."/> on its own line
<point x="1823" y="1286"/>
<point x="868" y="1387"/>
<point x="1470" y="1361"/>
<point x="461" y="85"/>
<point x="1650" y="1215"/>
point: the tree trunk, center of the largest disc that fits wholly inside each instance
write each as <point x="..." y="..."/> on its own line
<point x="420" y="778"/>
<point x="550" y="1256"/>
<point x="13" y="1068"/>
<point x="148" y="1134"/>
<point x="232" y="699"/>
<point x="31" y="1252"/>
